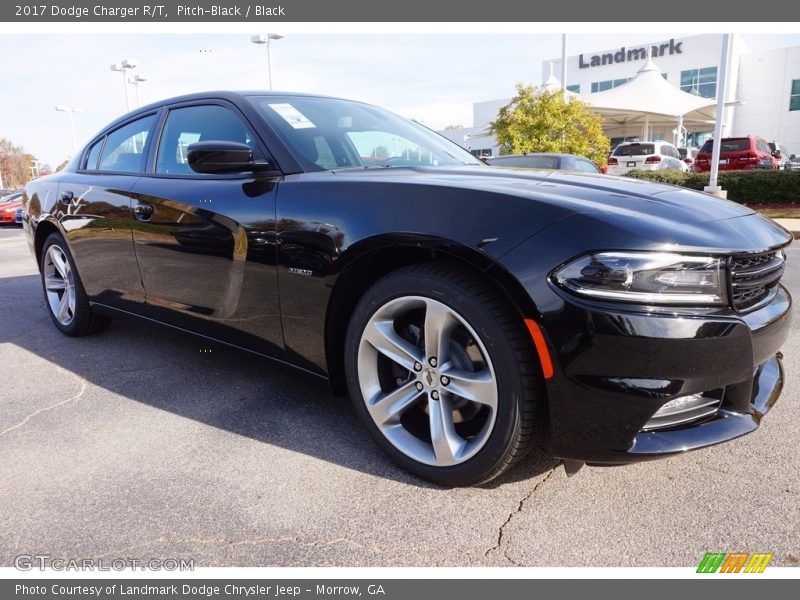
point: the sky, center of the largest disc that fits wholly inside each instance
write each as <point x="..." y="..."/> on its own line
<point x="432" y="78"/>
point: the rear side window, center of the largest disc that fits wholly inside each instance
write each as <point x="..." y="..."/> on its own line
<point x="762" y="146"/>
<point x="635" y="150"/>
<point x="94" y="154"/>
<point x="585" y="166"/>
<point x="124" y="149"/>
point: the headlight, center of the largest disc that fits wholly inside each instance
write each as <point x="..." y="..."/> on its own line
<point x="10" y="210"/>
<point x="646" y="277"/>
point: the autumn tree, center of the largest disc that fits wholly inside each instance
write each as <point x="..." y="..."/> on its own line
<point x="540" y="121"/>
<point x="15" y="164"/>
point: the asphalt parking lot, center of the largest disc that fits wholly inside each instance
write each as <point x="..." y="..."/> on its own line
<point x="136" y="443"/>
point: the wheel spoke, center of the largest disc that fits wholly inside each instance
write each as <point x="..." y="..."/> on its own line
<point x="59" y="262"/>
<point x="54" y="283"/>
<point x="71" y="294"/>
<point x="439" y="323"/>
<point x="382" y="336"/>
<point x="447" y="444"/>
<point x="63" y="307"/>
<point x="386" y="408"/>
<point x="478" y="387"/>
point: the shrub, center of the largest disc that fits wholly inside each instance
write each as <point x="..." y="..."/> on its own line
<point x="745" y="187"/>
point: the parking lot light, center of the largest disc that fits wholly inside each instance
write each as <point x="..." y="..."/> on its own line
<point x="69" y="110"/>
<point x="123" y="67"/>
<point x="135" y="81"/>
<point x="265" y="38"/>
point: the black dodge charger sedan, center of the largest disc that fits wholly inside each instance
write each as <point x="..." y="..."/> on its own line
<point x="468" y="311"/>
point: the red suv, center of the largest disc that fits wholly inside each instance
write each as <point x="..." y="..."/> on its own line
<point x="737" y="154"/>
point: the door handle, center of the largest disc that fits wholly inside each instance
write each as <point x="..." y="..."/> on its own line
<point x="66" y="197"/>
<point x="143" y="211"/>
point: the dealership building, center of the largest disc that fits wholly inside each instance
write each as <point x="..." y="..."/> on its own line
<point x="763" y="90"/>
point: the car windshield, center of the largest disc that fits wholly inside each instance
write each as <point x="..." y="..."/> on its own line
<point x="327" y="133"/>
<point x="635" y="150"/>
<point x="528" y="162"/>
<point x="729" y="145"/>
<point x="11" y="198"/>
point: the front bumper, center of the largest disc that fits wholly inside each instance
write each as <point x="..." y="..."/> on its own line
<point x="616" y="368"/>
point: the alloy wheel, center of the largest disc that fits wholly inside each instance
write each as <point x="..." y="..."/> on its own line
<point x="427" y="381"/>
<point x="59" y="284"/>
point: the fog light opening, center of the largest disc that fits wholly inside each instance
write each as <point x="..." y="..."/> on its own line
<point x="684" y="409"/>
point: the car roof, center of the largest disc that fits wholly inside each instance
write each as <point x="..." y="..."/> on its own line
<point x="645" y="142"/>
<point x="230" y="95"/>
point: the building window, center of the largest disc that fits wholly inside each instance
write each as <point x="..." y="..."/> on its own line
<point x="482" y="152"/>
<point x="575" y="89"/>
<point x="698" y="138"/>
<point x="794" y="99"/>
<point x="602" y="86"/>
<point x="700" y="82"/>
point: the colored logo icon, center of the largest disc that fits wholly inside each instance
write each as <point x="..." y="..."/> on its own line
<point x="735" y="562"/>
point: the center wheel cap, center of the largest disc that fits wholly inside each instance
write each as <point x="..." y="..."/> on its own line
<point x="429" y="378"/>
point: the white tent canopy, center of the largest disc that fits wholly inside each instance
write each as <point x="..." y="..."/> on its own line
<point x="650" y="100"/>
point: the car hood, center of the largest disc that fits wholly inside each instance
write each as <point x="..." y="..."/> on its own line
<point x="570" y="192"/>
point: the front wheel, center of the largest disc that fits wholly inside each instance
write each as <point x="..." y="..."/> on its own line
<point x="442" y="374"/>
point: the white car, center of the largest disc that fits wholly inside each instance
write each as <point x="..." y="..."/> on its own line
<point x="648" y="156"/>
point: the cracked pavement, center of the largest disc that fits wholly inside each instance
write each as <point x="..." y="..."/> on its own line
<point x="134" y="443"/>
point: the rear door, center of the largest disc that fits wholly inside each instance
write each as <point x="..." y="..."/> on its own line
<point x="94" y="210"/>
<point x="205" y="244"/>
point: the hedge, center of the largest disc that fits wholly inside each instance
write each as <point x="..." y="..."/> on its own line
<point x="745" y="187"/>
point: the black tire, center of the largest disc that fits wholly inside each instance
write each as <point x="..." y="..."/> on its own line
<point x="83" y="321"/>
<point x="519" y="412"/>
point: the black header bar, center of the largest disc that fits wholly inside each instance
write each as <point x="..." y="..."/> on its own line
<point x="462" y="11"/>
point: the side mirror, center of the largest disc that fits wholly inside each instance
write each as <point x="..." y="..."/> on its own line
<point x="219" y="157"/>
<point x="792" y="156"/>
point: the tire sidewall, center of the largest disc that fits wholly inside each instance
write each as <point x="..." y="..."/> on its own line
<point x="509" y="382"/>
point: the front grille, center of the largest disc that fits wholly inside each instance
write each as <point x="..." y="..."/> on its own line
<point x="754" y="278"/>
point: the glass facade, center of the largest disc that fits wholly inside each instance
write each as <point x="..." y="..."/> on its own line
<point x="601" y="86"/>
<point x="701" y="82"/>
<point x="794" y="99"/>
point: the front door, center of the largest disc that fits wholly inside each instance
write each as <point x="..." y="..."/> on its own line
<point x="206" y="243"/>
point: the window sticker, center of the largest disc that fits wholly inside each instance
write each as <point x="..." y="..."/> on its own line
<point x="292" y="116"/>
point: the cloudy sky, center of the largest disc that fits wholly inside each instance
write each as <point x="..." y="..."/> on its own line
<point x="432" y="78"/>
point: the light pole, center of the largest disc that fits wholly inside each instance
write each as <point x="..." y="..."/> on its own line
<point x="122" y="67"/>
<point x="265" y="38"/>
<point x="69" y="110"/>
<point x="135" y="81"/>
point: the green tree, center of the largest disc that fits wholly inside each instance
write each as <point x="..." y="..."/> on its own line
<point x="540" y="121"/>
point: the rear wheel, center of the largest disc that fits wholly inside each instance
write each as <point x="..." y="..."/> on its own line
<point x="64" y="295"/>
<point x="442" y="374"/>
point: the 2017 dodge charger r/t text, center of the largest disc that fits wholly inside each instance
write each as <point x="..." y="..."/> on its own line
<point x="469" y="311"/>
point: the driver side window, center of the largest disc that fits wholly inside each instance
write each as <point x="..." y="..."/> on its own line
<point x="191" y="124"/>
